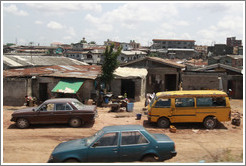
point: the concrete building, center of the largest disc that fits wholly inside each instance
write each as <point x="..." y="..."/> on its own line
<point x="171" y="43"/>
<point x="179" y="53"/>
<point x="220" y="49"/>
<point x="163" y="74"/>
<point x="127" y="56"/>
<point x="134" y="45"/>
<point x="131" y="81"/>
<point x="230" y="60"/>
<point x="201" y="50"/>
<point x="210" y="77"/>
<point x="232" y="42"/>
<point x="48" y="82"/>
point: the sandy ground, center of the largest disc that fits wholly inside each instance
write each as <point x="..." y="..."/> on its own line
<point x="194" y="143"/>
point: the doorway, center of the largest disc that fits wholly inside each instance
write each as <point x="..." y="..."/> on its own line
<point x="43" y="92"/>
<point x="128" y="86"/>
<point x="170" y="82"/>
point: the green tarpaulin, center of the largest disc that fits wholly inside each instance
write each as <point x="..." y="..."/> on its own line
<point x="68" y="86"/>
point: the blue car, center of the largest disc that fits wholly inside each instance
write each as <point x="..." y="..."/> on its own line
<point x="123" y="143"/>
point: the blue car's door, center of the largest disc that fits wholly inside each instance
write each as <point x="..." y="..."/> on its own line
<point x="132" y="146"/>
<point x="105" y="149"/>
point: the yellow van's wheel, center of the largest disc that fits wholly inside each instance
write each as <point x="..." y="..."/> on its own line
<point x="210" y="122"/>
<point x="163" y="122"/>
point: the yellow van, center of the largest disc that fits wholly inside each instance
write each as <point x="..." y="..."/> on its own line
<point x="206" y="106"/>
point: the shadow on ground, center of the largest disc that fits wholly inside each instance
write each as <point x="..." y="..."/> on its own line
<point x="44" y="126"/>
<point x="199" y="126"/>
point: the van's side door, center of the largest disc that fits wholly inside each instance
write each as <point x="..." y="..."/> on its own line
<point x="184" y="110"/>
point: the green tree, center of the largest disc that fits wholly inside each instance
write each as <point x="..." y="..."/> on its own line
<point x="152" y="54"/>
<point x="92" y="42"/>
<point x="83" y="41"/>
<point x="109" y="65"/>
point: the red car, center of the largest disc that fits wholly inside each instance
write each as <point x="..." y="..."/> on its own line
<point x="59" y="110"/>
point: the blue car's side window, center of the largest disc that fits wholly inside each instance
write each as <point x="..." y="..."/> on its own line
<point x="133" y="137"/>
<point x="108" y="139"/>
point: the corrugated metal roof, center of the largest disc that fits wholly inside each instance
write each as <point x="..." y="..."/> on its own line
<point x="75" y="71"/>
<point x="129" y="72"/>
<point x="133" y="52"/>
<point x="159" y="60"/>
<point x="173" y="40"/>
<point x="19" y="60"/>
<point x="180" y="49"/>
<point x="219" y="65"/>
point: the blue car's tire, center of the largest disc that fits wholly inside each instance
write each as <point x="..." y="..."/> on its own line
<point x="71" y="161"/>
<point x="150" y="158"/>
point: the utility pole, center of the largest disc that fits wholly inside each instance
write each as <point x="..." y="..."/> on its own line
<point x="31" y="43"/>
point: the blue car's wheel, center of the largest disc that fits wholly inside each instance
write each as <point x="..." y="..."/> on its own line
<point x="150" y="158"/>
<point x="71" y="161"/>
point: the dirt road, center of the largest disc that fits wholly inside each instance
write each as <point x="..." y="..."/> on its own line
<point x="194" y="143"/>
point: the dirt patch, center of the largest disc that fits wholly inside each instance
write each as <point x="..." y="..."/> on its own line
<point x="194" y="143"/>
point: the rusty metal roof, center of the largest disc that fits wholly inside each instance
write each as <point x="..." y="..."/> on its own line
<point x="158" y="60"/>
<point x="65" y="71"/>
<point x="173" y="40"/>
<point x="23" y="61"/>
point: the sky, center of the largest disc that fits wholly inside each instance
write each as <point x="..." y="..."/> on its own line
<point x="68" y="22"/>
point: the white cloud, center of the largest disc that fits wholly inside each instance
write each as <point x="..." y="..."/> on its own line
<point x="133" y="15"/>
<point x="186" y="36"/>
<point x="54" y="25"/>
<point x="167" y="26"/>
<point x="14" y="10"/>
<point x="67" y="37"/>
<point x="62" y="8"/>
<point x="227" y="26"/>
<point x="39" y="22"/>
<point x="231" y="23"/>
<point x="181" y="23"/>
<point x="100" y="24"/>
<point x="71" y="31"/>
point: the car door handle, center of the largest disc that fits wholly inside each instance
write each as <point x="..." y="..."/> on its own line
<point x="115" y="150"/>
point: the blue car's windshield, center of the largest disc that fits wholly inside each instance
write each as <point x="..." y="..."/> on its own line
<point x="93" y="138"/>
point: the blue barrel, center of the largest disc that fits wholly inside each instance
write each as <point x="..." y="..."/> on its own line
<point x="106" y="100"/>
<point x="130" y="107"/>
<point x="139" y="116"/>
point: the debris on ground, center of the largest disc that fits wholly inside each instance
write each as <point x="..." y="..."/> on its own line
<point x="237" y="119"/>
<point x="195" y="131"/>
<point x="172" y="129"/>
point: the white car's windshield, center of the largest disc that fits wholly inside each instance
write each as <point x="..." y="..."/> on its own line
<point x="93" y="138"/>
<point x="78" y="104"/>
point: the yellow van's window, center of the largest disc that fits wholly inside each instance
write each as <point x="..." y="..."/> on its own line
<point x="211" y="102"/>
<point x="184" y="102"/>
<point x="163" y="103"/>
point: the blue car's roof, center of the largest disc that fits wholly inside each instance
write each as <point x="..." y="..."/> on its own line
<point x="123" y="128"/>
